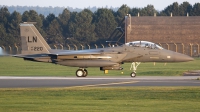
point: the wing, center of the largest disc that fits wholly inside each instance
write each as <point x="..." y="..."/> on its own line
<point x="83" y="54"/>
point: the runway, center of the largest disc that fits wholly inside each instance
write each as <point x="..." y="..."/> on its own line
<point x="107" y="81"/>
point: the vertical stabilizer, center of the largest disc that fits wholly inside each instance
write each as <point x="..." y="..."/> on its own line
<point x="31" y="40"/>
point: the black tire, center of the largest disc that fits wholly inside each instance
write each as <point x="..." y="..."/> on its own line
<point x="80" y="73"/>
<point x="133" y="74"/>
<point x="85" y="73"/>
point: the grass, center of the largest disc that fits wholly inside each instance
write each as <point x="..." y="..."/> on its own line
<point x="97" y="99"/>
<point x="10" y="66"/>
<point x="151" y="99"/>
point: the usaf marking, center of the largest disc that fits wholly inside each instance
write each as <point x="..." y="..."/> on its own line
<point x="32" y="40"/>
<point x="36" y="48"/>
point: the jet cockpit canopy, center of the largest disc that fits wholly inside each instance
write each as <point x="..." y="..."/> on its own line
<point x="145" y="44"/>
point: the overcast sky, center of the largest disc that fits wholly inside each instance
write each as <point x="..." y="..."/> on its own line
<point x="158" y="4"/>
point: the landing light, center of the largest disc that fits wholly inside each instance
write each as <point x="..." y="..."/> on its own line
<point x="168" y="56"/>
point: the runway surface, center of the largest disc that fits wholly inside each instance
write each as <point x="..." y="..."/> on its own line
<point x="35" y="82"/>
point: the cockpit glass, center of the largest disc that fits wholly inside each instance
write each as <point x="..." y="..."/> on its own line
<point x="144" y="44"/>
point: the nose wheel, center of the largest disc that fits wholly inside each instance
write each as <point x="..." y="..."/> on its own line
<point x="81" y="73"/>
<point x="133" y="74"/>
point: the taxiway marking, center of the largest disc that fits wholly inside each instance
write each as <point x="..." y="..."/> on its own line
<point x="108" y="84"/>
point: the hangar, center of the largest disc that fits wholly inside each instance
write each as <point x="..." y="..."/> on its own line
<point x="177" y="33"/>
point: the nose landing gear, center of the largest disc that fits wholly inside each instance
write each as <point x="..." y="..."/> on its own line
<point x="134" y="65"/>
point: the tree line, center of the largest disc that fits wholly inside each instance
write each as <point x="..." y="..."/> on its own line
<point x="84" y="27"/>
<point x="46" y="10"/>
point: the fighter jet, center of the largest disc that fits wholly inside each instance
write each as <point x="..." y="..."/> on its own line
<point x="35" y="48"/>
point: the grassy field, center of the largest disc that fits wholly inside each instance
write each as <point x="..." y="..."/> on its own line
<point x="10" y="66"/>
<point x="97" y="99"/>
<point x="146" y="99"/>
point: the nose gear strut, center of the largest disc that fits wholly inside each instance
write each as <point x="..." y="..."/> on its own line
<point x="134" y="66"/>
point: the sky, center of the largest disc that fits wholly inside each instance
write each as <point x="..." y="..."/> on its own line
<point x="158" y="4"/>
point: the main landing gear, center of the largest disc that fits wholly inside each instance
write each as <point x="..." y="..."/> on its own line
<point x="81" y="72"/>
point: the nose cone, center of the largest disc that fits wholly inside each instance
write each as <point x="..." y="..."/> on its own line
<point x="182" y="57"/>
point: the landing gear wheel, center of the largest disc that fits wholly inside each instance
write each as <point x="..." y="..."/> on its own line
<point x="133" y="74"/>
<point x="80" y="73"/>
<point x="85" y="73"/>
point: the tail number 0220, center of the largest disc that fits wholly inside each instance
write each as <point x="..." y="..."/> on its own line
<point x="37" y="48"/>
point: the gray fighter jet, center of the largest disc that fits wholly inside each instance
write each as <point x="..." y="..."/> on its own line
<point x="35" y="48"/>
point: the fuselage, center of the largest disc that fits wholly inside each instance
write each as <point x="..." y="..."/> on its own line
<point x="111" y="56"/>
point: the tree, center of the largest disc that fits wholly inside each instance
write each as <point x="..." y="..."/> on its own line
<point x="4" y="17"/>
<point x="122" y="12"/>
<point x="13" y="26"/>
<point x="134" y="11"/>
<point x="82" y="28"/>
<point x="148" y="11"/>
<point x="53" y="30"/>
<point x="185" y="8"/>
<point x="64" y="21"/>
<point x="54" y="33"/>
<point x="104" y="23"/>
<point x="196" y="10"/>
<point x="174" y="9"/>
<point x="3" y="35"/>
<point x="49" y="19"/>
